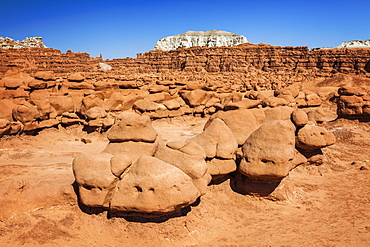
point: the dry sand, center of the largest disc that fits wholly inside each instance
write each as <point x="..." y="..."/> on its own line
<point x="329" y="205"/>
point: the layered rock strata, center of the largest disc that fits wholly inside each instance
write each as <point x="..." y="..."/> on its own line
<point x="6" y="43"/>
<point x="355" y="44"/>
<point x="213" y="38"/>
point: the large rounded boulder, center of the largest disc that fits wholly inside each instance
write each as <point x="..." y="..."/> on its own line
<point x="152" y="186"/>
<point x="268" y="153"/>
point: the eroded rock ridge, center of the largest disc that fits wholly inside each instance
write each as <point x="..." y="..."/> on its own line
<point x="6" y="43"/>
<point x="200" y="38"/>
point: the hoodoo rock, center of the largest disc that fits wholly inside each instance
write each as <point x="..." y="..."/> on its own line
<point x="152" y="186"/>
<point x="200" y="38"/>
<point x="268" y="151"/>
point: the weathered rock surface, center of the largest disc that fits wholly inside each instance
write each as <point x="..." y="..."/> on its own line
<point x="241" y="122"/>
<point x="152" y="186"/>
<point x="355" y="44"/>
<point x="268" y="152"/>
<point x="94" y="178"/>
<point x="6" y="43"/>
<point x="314" y="137"/>
<point x="217" y="140"/>
<point x="200" y="38"/>
<point x="133" y="127"/>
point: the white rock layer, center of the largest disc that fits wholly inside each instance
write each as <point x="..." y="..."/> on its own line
<point x="355" y="44"/>
<point x="200" y="38"/>
<point x="6" y="43"/>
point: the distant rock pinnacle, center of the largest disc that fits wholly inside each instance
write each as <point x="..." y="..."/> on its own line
<point x="200" y="38"/>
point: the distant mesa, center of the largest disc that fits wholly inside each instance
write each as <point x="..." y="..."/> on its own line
<point x="355" y="44"/>
<point x="6" y="43"/>
<point x="200" y="38"/>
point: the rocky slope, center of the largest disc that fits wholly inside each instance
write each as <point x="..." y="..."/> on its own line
<point x="200" y="38"/>
<point x="355" y="44"/>
<point x="6" y="43"/>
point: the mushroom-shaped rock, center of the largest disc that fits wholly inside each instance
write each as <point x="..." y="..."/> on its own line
<point x="133" y="127"/>
<point x="217" y="140"/>
<point x="242" y="123"/>
<point x="312" y="137"/>
<point x="152" y="186"/>
<point x="269" y="151"/>
<point x="94" y="178"/>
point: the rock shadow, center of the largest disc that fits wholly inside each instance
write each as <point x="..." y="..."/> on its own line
<point x="153" y="218"/>
<point x="134" y="216"/>
<point x="243" y="185"/>
<point x="84" y="208"/>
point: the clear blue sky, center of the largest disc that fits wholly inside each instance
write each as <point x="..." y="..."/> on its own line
<point x="119" y="29"/>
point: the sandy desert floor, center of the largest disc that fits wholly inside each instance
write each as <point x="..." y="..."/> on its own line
<point x="328" y="205"/>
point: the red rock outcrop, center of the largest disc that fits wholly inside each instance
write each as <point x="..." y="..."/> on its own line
<point x="72" y="88"/>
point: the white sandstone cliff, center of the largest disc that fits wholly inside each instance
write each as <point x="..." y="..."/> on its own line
<point x="6" y="43"/>
<point x="355" y="44"/>
<point x="200" y="38"/>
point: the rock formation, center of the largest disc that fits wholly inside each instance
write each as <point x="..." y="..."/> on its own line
<point x="353" y="102"/>
<point x="6" y="43"/>
<point x="213" y="38"/>
<point x="137" y="176"/>
<point x="355" y="44"/>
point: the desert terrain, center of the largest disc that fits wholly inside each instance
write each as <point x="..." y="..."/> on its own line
<point x="326" y="206"/>
<point x="270" y="143"/>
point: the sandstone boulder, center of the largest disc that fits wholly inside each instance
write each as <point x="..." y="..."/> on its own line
<point x="217" y="140"/>
<point x="132" y="127"/>
<point x="45" y="75"/>
<point x="94" y="178"/>
<point x="188" y="157"/>
<point x="25" y="112"/>
<point x="133" y="149"/>
<point x="95" y="112"/>
<point x="7" y="106"/>
<point x="62" y="103"/>
<point x="218" y="167"/>
<point x="299" y="118"/>
<point x="314" y="137"/>
<point x="243" y="104"/>
<point x="144" y="105"/>
<point x="152" y="186"/>
<point x="194" y="98"/>
<point x="269" y="151"/>
<point x="77" y="77"/>
<point x="242" y="123"/>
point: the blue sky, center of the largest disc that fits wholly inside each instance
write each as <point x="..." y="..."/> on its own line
<point x="118" y="29"/>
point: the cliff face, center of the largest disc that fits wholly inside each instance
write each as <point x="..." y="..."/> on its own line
<point x="38" y="88"/>
<point x="34" y="59"/>
<point x="6" y="43"/>
<point x="213" y="38"/>
<point x="246" y="64"/>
